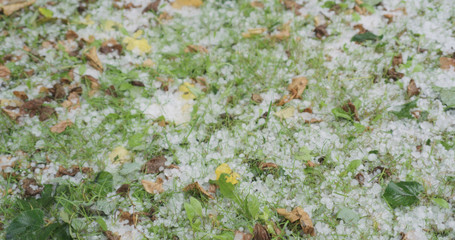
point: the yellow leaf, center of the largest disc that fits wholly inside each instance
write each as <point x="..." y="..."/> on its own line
<point x="224" y="168"/>
<point x="138" y="33"/>
<point x="185" y="89"/>
<point x="139" y="44"/>
<point x="109" y="25"/>
<point x="120" y="155"/>
<point x="186" y="3"/>
<point x="153" y="187"/>
<point x="285" y="113"/>
<point x="88" y="20"/>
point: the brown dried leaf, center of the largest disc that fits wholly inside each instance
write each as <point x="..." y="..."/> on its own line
<point x="350" y="108"/>
<point x="297" y="87"/>
<point x="31" y="187"/>
<point x="256" y="98"/>
<point x="412" y="89"/>
<point x="299" y="214"/>
<point x="34" y="104"/>
<point x="321" y="31"/>
<point x="93" y="59"/>
<point x="21" y="94"/>
<point x="137" y="83"/>
<point x="311" y="164"/>
<point x="58" y="91"/>
<point x="153" y="187"/>
<point x="164" y="16"/>
<point x="4" y="72"/>
<point x="111" y="235"/>
<point x="257" y="4"/>
<point x="46" y="113"/>
<point x="195" y="49"/>
<point x="11" y="114"/>
<point x="292" y="5"/>
<point x="360" y="28"/>
<point x="269" y="165"/>
<point x="13" y="6"/>
<point x="197" y="189"/>
<point x="154" y="165"/>
<point x="94" y="84"/>
<point x="389" y="18"/>
<point x="152" y="6"/>
<point x="260" y="232"/>
<point x="186" y="3"/>
<point x="123" y="190"/>
<point x="111" y="45"/>
<point x="445" y="63"/>
<point x="132" y="218"/>
<point x="71" y="35"/>
<point x="360" y="178"/>
<point x="62" y="171"/>
<point x="253" y="32"/>
<point x="242" y="236"/>
<point x="397" y="60"/>
<point x="393" y="74"/>
<point x="61" y="126"/>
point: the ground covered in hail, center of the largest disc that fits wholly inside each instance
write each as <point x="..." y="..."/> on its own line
<point x="217" y="119"/>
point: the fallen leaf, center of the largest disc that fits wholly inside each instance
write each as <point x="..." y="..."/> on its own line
<point x="132" y="218"/>
<point x="10" y="8"/>
<point x="360" y="28"/>
<point x="225" y="169"/>
<point x="11" y="114"/>
<point x="260" y="232"/>
<point x="197" y="189"/>
<point x="285" y="113"/>
<point x="11" y="103"/>
<point x="152" y="6"/>
<point x="123" y="190"/>
<point x="5" y="73"/>
<point x="257" y="4"/>
<point x="57" y="91"/>
<point x="21" y="95"/>
<point x="61" y="126"/>
<point x="111" y="45"/>
<point x="256" y="98"/>
<point x="195" y="49"/>
<point x="292" y="5"/>
<point x="31" y="187"/>
<point x="46" y="113"/>
<point x="238" y="235"/>
<point x="153" y="165"/>
<point x="148" y="63"/>
<point x="360" y="178"/>
<point x="111" y="235"/>
<point x="321" y="31"/>
<point x="311" y="164"/>
<point x="164" y="16"/>
<point x="120" y="155"/>
<point x="140" y="45"/>
<point x="445" y="63"/>
<point x="137" y="83"/>
<point x="93" y="59"/>
<point x="253" y="32"/>
<point x="397" y="60"/>
<point x="299" y="214"/>
<point x="297" y="87"/>
<point x="94" y="84"/>
<point x="350" y="108"/>
<point x="393" y="74"/>
<point x="269" y="165"/>
<point x="186" y="3"/>
<point x="412" y="89"/>
<point x="71" y="35"/>
<point x="283" y="33"/>
<point x="153" y="187"/>
<point x="62" y="171"/>
<point x="185" y="89"/>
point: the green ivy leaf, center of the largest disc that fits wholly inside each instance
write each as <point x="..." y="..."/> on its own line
<point x="447" y="97"/>
<point x="402" y="193"/>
